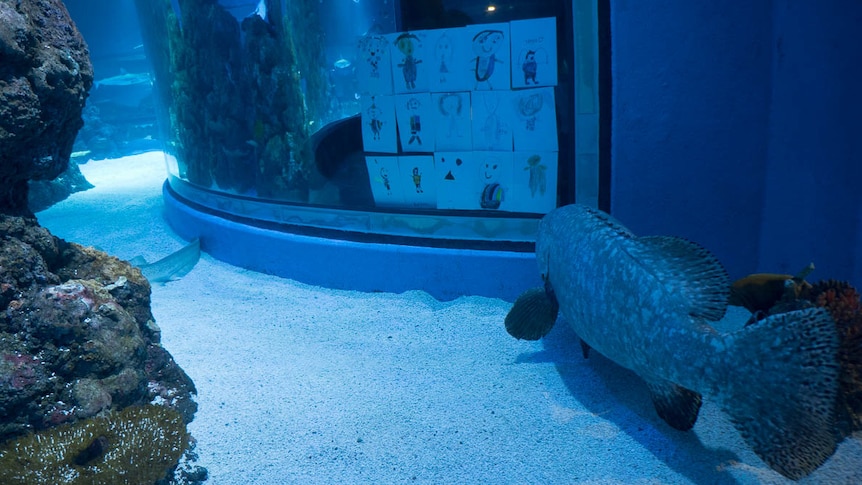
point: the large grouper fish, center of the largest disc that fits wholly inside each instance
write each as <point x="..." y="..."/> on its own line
<point x="647" y="302"/>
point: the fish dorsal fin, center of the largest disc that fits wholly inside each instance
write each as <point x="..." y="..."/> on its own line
<point x="609" y="221"/>
<point x="688" y="269"/>
<point x="676" y="405"/>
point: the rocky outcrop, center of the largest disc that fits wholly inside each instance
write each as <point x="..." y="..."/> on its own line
<point x="79" y="350"/>
<point x="45" y="193"/>
<point x="77" y="336"/>
<point x="45" y="75"/>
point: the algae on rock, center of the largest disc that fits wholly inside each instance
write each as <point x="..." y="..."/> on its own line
<point x="137" y="445"/>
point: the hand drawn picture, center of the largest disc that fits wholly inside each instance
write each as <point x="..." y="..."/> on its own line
<point x="415" y="125"/>
<point x="535" y="119"/>
<point x="387" y="186"/>
<point x="419" y="180"/>
<point x="453" y="130"/>
<point x="534" y="52"/>
<point x="492" y="121"/>
<point x="457" y="180"/>
<point x="489" y="61"/>
<point x="378" y="124"/>
<point x="495" y="179"/>
<point x="409" y="62"/>
<point x="374" y="66"/>
<point x="534" y="182"/>
<point x="449" y="57"/>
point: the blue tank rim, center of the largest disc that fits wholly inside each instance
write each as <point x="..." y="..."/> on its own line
<point x="446" y="273"/>
<point x="358" y="236"/>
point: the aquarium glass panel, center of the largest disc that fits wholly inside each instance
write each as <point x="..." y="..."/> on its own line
<point x="427" y="119"/>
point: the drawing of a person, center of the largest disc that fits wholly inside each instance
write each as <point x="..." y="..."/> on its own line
<point x="538" y="181"/>
<point x="376" y="124"/>
<point x="530" y="66"/>
<point x="415" y="122"/>
<point x="494" y="128"/>
<point x="404" y="43"/>
<point x="492" y="194"/>
<point x="372" y="48"/>
<point x="384" y="176"/>
<point x="417" y="180"/>
<point x="443" y="52"/>
<point x="528" y="107"/>
<point x="450" y="106"/>
<point x="485" y="45"/>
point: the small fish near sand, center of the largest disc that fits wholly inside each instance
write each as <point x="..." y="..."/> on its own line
<point x="647" y="302"/>
<point x="125" y="79"/>
<point x="172" y="266"/>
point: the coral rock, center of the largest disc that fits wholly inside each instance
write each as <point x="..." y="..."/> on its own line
<point x="77" y="337"/>
<point x="45" y="76"/>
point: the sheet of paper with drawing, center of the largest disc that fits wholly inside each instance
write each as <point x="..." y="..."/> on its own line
<point x="452" y="118"/>
<point x="534" y="52"/>
<point x="419" y="180"/>
<point x="410" y="63"/>
<point x="449" y="60"/>
<point x="415" y="122"/>
<point x="456" y="180"/>
<point x="536" y="119"/>
<point x="534" y="182"/>
<point x="492" y="120"/>
<point x="495" y="180"/>
<point x="489" y="58"/>
<point x="374" y="65"/>
<point x="387" y="186"/>
<point x="378" y="124"/>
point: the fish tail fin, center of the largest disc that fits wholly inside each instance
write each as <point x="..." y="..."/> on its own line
<point x="784" y="390"/>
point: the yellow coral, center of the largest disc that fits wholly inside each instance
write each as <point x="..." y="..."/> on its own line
<point x="137" y="445"/>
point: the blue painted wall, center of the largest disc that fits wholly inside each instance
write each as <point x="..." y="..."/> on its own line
<point x="814" y="177"/>
<point x="736" y="125"/>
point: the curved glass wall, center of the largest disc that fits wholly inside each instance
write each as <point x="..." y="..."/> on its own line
<point x="427" y="119"/>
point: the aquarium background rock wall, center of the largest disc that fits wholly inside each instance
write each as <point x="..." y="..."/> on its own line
<point x="737" y="125"/>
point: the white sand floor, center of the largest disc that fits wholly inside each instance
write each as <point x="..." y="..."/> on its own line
<point x="302" y="384"/>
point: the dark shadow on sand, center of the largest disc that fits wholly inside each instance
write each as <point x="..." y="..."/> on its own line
<point x="623" y="399"/>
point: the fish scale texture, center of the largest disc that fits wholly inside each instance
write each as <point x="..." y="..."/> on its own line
<point x="645" y="303"/>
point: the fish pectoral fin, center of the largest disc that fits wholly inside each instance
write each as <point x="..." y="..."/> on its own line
<point x="533" y="315"/>
<point x="585" y="349"/>
<point x="676" y="405"/>
<point x="690" y="270"/>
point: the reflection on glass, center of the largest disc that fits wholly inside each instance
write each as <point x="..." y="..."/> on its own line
<point x="277" y="101"/>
